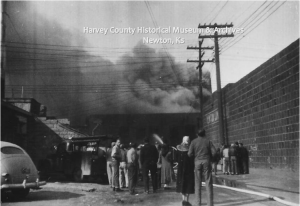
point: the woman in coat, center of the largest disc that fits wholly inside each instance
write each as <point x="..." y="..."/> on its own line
<point x="185" y="173"/>
<point x="165" y="159"/>
<point x="215" y="161"/>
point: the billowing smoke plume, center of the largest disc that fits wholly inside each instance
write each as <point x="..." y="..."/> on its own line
<point x="74" y="82"/>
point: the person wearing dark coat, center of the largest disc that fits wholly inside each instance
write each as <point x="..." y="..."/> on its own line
<point x="238" y="159"/>
<point x="185" y="183"/>
<point x="221" y="156"/>
<point x="148" y="158"/>
<point x="244" y="158"/>
<point x="215" y="160"/>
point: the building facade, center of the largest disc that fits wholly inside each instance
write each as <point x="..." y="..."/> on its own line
<point x="135" y="127"/>
<point x="262" y="111"/>
<point x="24" y="122"/>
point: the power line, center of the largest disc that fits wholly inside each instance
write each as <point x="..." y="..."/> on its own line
<point x="104" y="49"/>
<point x="236" y="16"/>
<point x="255" y="26"/>
<point x="219" y="12"/>
<point x="248" y="18"/>
<point x="22" y="42"/>
<point x="164" y="47"/>
<point x="256" y="18"/>
<point x="212" y="11"/>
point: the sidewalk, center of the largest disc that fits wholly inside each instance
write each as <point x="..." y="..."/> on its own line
<point x="283" y="184"/>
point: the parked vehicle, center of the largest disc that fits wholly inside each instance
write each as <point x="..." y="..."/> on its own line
<point x="18" y="172"/>
<point x="78" y="158"/>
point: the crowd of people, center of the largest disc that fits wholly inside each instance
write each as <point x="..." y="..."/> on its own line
<point x="196" y="160"/>
<point x="233" y="159"/>
<point x="124" y="165"/>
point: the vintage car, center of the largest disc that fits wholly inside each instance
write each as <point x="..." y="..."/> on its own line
<point x="18" y="172"/>
<point x="78" y="158"/>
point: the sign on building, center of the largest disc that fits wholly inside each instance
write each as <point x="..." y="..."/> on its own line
<point x="213" y="116"/>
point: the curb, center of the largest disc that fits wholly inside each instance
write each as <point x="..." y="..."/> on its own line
<point x="257" y="193"/>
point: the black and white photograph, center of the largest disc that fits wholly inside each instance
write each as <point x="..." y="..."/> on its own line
<point x="164" y="103"/>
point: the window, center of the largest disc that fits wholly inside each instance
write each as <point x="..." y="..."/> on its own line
<point x="11" y="150"/>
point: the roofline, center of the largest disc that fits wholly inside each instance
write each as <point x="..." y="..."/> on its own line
<point x="17" y="109"/>
<point x="98" y="137"/>
<point x="71" y="129"/>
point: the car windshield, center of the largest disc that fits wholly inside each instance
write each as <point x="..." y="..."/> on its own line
<point x="11" y="150"/>
<point x="86" y="146"/>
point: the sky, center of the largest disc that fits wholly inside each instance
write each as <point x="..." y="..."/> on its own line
<point x="45" y="38"/>
<point x="259" y="44"/>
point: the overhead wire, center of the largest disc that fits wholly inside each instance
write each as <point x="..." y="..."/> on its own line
<point x="255" y="26"/>
<point x="212" y="11"/>
<point x="155" y="24"/>
<point x="249" y="17"/>
<point x="218" y="13"/>
<point x="255" y="19"/>
<point x="164" y="47"/>
<point x="215" y="16"/>
<point x="238" y="15"/>
<point x="23" y="43"/>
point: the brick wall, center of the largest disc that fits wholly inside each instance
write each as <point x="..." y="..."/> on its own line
<point x="262" y="112"/>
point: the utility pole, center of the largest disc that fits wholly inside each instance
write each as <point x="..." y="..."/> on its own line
<point x="2" y="49"/>
<point x="200" y="65"/>
<point x="224" y="29"/>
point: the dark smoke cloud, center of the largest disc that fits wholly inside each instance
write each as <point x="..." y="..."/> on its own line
<point x="74" y="83"/>
<point x="157" y="83"/>
<point x="37" y="67"/>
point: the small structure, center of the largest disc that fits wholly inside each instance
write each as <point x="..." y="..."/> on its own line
<point x="24" y="122"/>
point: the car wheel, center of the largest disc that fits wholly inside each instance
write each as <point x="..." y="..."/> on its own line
<point x="77" y="175"/>
<point x="3" y="195"/>
<point x="21" y="193"/>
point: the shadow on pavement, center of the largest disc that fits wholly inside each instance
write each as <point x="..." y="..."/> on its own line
<point x="42" y="196"/>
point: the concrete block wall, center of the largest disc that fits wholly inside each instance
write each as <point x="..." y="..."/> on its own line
<point x="262" y="112"/>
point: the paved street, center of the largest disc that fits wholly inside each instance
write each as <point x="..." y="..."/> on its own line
<point x="77" y="194"/>
<point x="283" y="185"/>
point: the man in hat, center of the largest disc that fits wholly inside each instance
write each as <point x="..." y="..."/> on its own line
<point x="116" y="157"/>
<point x="202" y="149"/>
